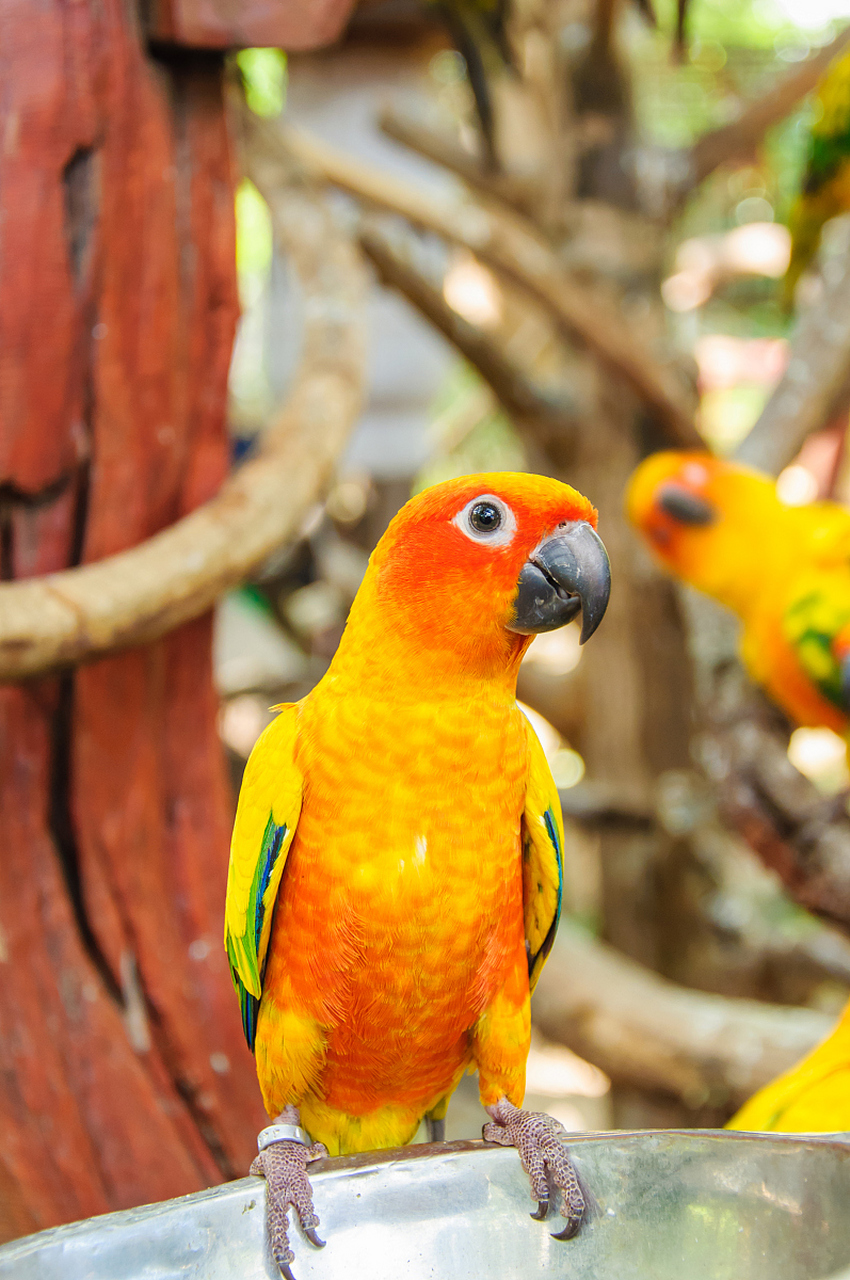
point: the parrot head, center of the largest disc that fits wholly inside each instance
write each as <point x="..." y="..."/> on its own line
<point x="706" y="520"/>
<point x="469" y="571"/>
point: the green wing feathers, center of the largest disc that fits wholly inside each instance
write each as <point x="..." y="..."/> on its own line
<point x="542" y="860"/>
<point x="266" y="818"/>
<point x="817" y="626"/>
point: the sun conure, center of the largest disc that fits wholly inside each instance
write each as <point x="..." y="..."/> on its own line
<point x="396" y="867"/>
<point x="785" y="570"/>
<point x="813" y="1097"/>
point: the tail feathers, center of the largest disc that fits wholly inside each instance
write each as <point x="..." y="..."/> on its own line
<point x="248" y="1007"/>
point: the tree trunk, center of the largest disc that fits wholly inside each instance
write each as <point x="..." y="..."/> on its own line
<point x="124" y="1075"/>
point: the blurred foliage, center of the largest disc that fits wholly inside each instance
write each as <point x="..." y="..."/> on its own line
<point x="264" y="77"/>
<point x="470" y="433"/>
<point x="253" y="234"/>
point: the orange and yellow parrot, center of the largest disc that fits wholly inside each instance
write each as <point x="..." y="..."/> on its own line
<point x="786" y="572"/>
<point x="813" y="1097"/>
<point x="396" y="865"/>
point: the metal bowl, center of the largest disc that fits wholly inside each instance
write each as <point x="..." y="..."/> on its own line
<point x="672" y="1205"/>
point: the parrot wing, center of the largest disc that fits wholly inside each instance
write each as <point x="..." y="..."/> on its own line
<point x="817" y="626"/>
<point x="813" y="1097"/>
<point x="542" y="859"/>
<point x="266" y="818"/>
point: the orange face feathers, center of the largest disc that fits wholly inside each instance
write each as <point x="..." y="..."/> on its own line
<point x="705" y="519"/>
<point x="446" y="574"/>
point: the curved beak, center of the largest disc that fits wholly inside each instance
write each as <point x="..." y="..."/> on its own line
<point x="567" y="573"/>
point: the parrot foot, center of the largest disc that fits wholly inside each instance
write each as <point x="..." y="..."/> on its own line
<point x="283" y="1163"/>
<point x="540" y="1141"/>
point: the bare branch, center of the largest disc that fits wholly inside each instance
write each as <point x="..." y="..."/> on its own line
<point x="142" y="593"/>
<point x="814" y="386"/>
<point x="646" y="1031"/>
<point x="739" y="139"/>
<point x="510" y="189"/>
<point x="522" y="401"/>
<point x="802" y="835"/>
<point x="512" y="247"/>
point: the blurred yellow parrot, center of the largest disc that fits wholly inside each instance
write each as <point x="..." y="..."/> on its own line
<point x="785" y="571"/>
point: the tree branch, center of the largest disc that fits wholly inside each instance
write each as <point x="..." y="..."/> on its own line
<point x="512" y="247"/>
<point x="799" y="833"/>
<point x="739" y="139"/>
<point x="508" y="189"/>
<point x="140" y="594"/>
<point x="815" y="384"/>
<point x="643" y="1030"/>
<point x="539" y="416"/>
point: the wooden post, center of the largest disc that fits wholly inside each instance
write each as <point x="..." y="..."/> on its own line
<point x="123" y="1074"/>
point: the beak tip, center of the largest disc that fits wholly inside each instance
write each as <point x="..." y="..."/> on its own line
<point x="574" y="560"/>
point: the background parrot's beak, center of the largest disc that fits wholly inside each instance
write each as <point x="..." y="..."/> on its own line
<point x="566" y="573"/>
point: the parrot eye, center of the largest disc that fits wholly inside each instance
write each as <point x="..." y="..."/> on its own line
<point x="487" y="519"/>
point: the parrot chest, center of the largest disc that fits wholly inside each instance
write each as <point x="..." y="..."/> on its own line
<point x="400" y="911"/>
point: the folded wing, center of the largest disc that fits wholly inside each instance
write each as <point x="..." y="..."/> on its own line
<point x="542" y="860"/>
<point x="266" y="819"/>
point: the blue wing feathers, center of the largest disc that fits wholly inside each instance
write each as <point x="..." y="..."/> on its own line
<point x="552" y="829"/>
<point x="248" y="1008"/>
<point x="272" y="840"/>
<point x="249" y="1004"/>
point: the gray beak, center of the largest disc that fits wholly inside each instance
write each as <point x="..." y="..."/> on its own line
<point x="567" y="574"/>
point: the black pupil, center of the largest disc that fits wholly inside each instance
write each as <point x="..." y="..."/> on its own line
<point x="484" y="517"/>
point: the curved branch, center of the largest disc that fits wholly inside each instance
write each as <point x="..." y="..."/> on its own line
<point x="801" y="834"/>
<point x="739" y="139"/>
<point x="529" y="406"/>
<point x="814" y="385"/>
<point x="512" y="247"/>
<point x="140" y="594"/>
<point x="510" y="189"/>
<point x="643" y="1030"/>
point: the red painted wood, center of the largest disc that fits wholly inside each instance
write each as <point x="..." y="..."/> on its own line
<point x="86" y="1125"/>
<point x="218" y="24"/>
<point x="123" y="1074"/>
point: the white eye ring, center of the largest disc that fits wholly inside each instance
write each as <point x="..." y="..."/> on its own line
<point x="501" y="535"/>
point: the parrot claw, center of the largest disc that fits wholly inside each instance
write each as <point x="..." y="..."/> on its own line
<point x="540" y="1141"/>
<point x="284" y="1166"/>
<point x="570" y="1230"/>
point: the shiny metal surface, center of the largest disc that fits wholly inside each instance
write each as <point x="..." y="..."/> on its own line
<point x="672" y="1206"/>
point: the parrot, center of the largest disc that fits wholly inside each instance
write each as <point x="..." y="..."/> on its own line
<point x="785" y="570"/>
<point x="396" y="865"/>
<point x="825" y="190"/>
<point x="813" y="1097"/>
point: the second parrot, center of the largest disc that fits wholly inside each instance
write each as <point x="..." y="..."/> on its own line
<point x="785" y="570"/>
